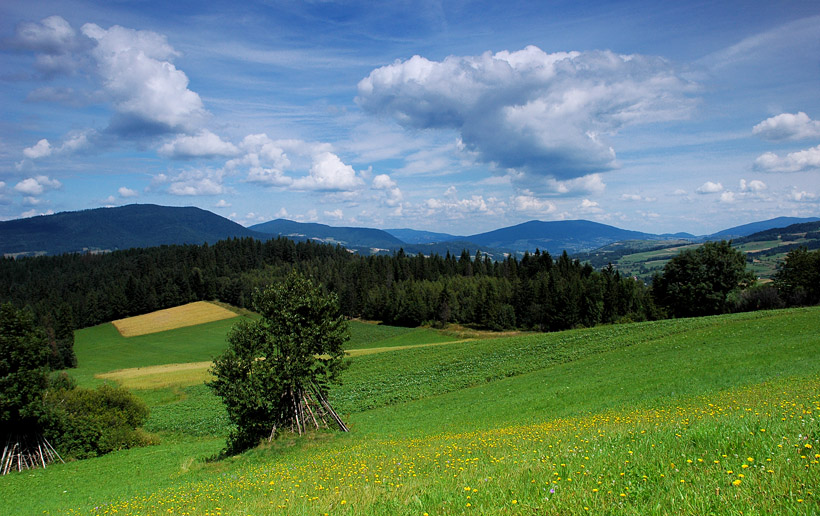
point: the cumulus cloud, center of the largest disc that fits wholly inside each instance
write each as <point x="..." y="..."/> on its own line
<point x="73" y="142"/>
<point x="542" y="114"/>
<point x="150" y="95"/>
<point x="37" y="185"/>
<point x="454" y="208"/>
<point x="788" y="126"/>
<point x="637" y="198"/>
<point x="528" y="203"/>
<point x="126" y="192"/>
<point x="798" y="161"/>
<point x="588" y="206"/>
<point x="585" y="185"/>
<point x="727" y="197"/>
<point x="191" y="183"/>
<point x="55" y="43"/>
<point x="802" y="196"/>
<point x="222" y="204"/>
<point x="204" y="144"/>
<point x="709" y="188"/>
<point x="329" y="174"/>
<point x="752" y="186"/>
<point x="393" y="195"/>
<point x="39" y="150"/>
<point x="335" y="214"/>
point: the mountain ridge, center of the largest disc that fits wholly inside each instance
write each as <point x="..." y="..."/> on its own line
<point x="147" y="225"/>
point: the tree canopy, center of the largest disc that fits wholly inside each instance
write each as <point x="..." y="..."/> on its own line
<point x="276" y="371"/>
<point x="698" y="281"/>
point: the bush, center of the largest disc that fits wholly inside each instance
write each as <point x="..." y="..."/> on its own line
<point x="759" y="297"/>
<point x="92" y="422"/>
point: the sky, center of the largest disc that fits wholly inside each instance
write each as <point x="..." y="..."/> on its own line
<point x="451" y="116"/>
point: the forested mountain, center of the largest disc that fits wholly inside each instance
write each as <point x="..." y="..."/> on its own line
<point x="756" y="227"/>
<point x="124" y="227"/>
<point x="412" y="236"/>
<point x="557" y="236"/>
<point x="350" y="237"/>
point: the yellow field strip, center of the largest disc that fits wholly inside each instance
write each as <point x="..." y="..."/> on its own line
<point x="196" y="373"/>
<point x="191" y="314"/>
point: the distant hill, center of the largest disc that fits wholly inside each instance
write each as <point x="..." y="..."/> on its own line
<point x="350" y="237"/>
<point x="755" y="227"/>
<point x="412" y="236"/>
<point x="571" y="235"/>
<point x="123" y="227"/>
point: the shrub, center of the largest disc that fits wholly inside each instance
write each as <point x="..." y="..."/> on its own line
<point x="92" y="422"/>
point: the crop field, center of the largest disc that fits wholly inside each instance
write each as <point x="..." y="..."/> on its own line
<point x="716" y="415"/>
<point x="192" y="314"/>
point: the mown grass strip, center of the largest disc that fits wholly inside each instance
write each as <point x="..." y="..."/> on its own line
<point x="191" y="314"/>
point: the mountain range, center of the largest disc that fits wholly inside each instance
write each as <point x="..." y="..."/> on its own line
<point x="147" y="225"/>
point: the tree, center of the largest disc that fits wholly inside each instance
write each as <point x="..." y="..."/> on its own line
<point x="276" y="371"/>
<point x="698" y="281"/>
<point x="798" y="277"/>
<point x="24" y="354"/>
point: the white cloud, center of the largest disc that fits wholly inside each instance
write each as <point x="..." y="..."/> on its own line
<point x="34" y="213"/>
<point x="752" y="186"/>
<point x="798" y="161"/>
<point x="727" y="197"/>
<point x="528" y="203"/>
<point x="37" y="185"/>
<point x="126" y="192"/>
<point x="192" y="183"/>
<point x="588" y="206"/>
<point x="148" y="92"/>
<point x="204" y="144"/>
<point x="222" y="204"/>
<point x="802" y="196"/>
<point x="788" y="126"/>
<point x="454" y="208"/>
<point x="329" y="174"/>
<point x="586" y="185"/>
<point x="335" y="214"/>
<point x="709" y="188"/>
<point x="679" y="192"/>
<point x="72" y="142"/>
<point x="393" y="195"/>
<point x="54" y="41"/>
<point x="543" y="114"/>
<point x="638" y="198"/>
<point x="39" y="150"/>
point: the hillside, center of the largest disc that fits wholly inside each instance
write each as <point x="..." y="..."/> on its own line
<point x="350" y="237"/>
<point x="557" y="236"/>
<point x="634" y="419"/>
<point x="107" y="229"/>
<point x="760" y="226"/>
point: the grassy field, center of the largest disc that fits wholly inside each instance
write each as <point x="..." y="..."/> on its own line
<point x="192" y="314"/>
<point x="717" y="415"/>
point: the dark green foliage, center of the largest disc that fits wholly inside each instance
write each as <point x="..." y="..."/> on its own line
<point x="92" y="422"/>
<point x="24" y="354"/>
<point x="698" y="281"/>
<point x="799" y="277"/>
<point x="536" y="292"/>
<point x="271" y="362"/>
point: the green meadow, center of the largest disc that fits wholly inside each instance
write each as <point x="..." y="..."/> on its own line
<point x="715" y="415"/>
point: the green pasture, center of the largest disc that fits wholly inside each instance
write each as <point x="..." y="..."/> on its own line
<point x="714" y="415"/>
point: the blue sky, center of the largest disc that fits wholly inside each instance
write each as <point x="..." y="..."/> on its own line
<point x="458" y="117"/>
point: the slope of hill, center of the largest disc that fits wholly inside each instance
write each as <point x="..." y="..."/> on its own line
<point x="649" y="411"/>
<point x="124" y="227"/>
<point x="756" y="227"/>
<point x="412" y="236"/>
<point x="354" y="238"/>
<point x="557" y="236"/>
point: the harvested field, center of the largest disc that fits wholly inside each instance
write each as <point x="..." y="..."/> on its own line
<point x="161" y="376"/>
<point x="191" y="314"/>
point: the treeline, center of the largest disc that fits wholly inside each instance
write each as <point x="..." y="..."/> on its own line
<point x="535" y="292"/>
